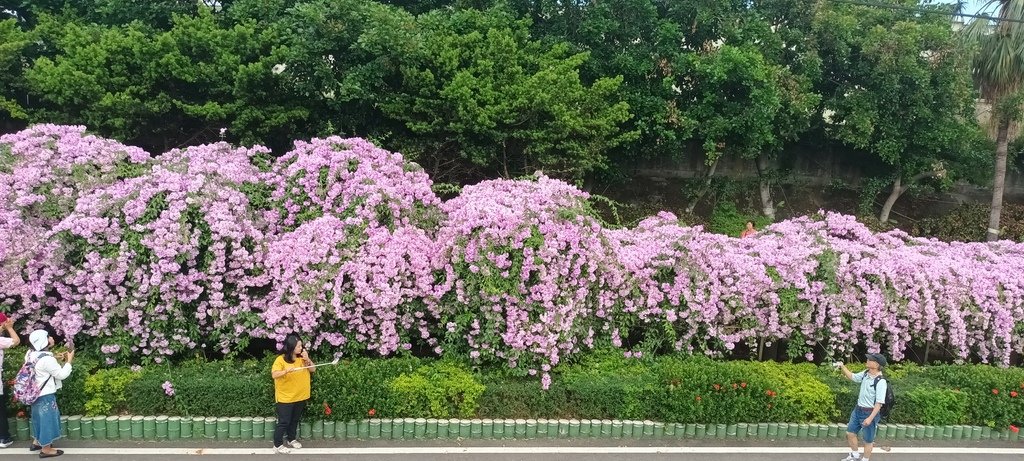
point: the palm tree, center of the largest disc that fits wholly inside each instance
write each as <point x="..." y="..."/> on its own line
<point x="998" y="67"/>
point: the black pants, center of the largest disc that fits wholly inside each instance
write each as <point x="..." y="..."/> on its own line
<point x="5" y="432"/>
<point x="288" y="416"/>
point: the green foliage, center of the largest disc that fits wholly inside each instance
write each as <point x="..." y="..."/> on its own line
<point x="729" y="220"/>
<point x="438" y="390"/>
<point x="106" y="389"/>
<point x="225" y="388"/>
<point x="967" y="223"/>
<point x="355" y="387"/>
<point x="14" y="44"/>
<point x="933" y="406"/>
<point x="474" y="84"/>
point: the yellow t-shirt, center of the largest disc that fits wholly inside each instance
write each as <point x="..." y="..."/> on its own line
<point x="292" y="387"/>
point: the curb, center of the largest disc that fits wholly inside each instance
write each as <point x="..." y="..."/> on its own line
<point x="170" y="428"/>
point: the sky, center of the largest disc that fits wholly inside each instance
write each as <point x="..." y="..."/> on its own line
<point x="973" y="6"/>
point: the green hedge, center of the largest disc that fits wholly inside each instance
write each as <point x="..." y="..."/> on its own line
<point x="599" y="386"/>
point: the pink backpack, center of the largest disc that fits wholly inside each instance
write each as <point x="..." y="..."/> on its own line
<point x="25" y="389"/>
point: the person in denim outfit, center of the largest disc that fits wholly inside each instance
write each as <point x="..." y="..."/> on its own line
<point x="865" y="416"/>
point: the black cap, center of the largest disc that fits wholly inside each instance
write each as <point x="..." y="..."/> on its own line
<point x="878" y="358"/>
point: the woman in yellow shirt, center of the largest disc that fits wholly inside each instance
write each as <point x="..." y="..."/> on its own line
<point x="291" y="391"/>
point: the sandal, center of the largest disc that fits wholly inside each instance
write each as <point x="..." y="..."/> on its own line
<point x="51" y="455"/>
<point x="35" y="447"/>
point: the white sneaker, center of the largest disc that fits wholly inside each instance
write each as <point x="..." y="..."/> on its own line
<point x="282" y="450"/>
<point x="6" y="443"/>
<point x="294" y="444"/>
<point x="850" y="457"/>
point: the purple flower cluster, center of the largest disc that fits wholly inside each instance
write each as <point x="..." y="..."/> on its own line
<point x="346" y="244"/>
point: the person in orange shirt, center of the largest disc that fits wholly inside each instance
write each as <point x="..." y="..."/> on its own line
<point x="291" y="391"/>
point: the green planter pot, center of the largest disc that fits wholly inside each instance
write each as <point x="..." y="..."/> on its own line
<point x="330" y="429"/>
<point x="670" y="430"/>
<point x="210" y="428"/>
<point x="22" y="427"/>
<point x="742" y="430"/>
<point x="431" y="428"/>
<point x="721" y="430"/>
<point x="574" y="428"/>
<point x="186" y="428"/>
<point x="762" y="430"/>
<point x="149" y="427"/>
<point x="481" y="429"/>
<point x="246" y="428"/>
<point x="919" y="431"/>
<point x="306" y="430"/>
<point x="465" y="429"/>
<point x="223" y="428"/>
<point x="553" y="429"/>
<point x="586" y="428"/>
<point x="199" y="428"/>
<point x="442" y="428"/>
<point x="773" y="430"/>
<point x="509" y="428"/>
<point x="976" y="433"/>
<point x="731" y="431"/>
<point x="160" y="427"/>
<point x="701" y="431"/>
<point x="563" y="428"/>
<point x="364" y="429"/>
<point x="812" y="431"/>
<point x="234" y="428"/>
<point x="957" y="432"/>
<point x="420" y="428"/>
<point x="986" y="433"/>
<point x="316" y="431"/>
<point x="454" y="426"/>
<point x="376" y="431"/>
<point x="173" y="428"/>
<point x="617" y="429"/>
<point x="929" y="432"/>
<point x="87" y="430"/>
<point x="497" y="428"/>
<point x="520" y="428"/>
<point x="137" y="432"/>
<point x="404" y="428"/>
<point x="387" y="429"/>
<point x="269" y="426"/>
<point x="74" y="427"/>
<point x="691" y="431"/>
<point x="531" y="428"/>
<point x="803" y="431"/>
<point x="99" y="428"/>
<point x="351" y="430"/>
<point x="659" y="430"/>
<point x="648" y="429"/>
<point x="124" y="427"/>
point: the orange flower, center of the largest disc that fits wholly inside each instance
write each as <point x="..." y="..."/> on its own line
<point x="995" y="391"/>
<point x="372" y="412"/>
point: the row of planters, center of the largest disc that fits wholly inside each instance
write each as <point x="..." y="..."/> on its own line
<point x="600" y="387"/>
<point x="125" y="428"/>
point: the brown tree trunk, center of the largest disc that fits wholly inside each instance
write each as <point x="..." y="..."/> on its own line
<point x="897" y="191"/>
<point x="765" y="185"/>
<point x="998" y="182"/>
<point x="704" y="187"/>
<point x="898" y="188"/>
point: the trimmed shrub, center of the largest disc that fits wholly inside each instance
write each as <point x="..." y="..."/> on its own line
<point x="438" y="390"/>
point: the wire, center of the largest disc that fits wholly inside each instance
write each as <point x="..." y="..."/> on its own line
<point x="922" y="10"/>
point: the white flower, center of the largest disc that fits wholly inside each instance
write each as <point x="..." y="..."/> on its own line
<point x="278" y="68"/>
<point x="329" y="94"/>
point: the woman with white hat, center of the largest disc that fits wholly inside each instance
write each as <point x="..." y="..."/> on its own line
<point x="49" y="374"/>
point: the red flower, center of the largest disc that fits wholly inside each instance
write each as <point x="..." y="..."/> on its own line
<point x="1014" y="428"/>
<point x="1013" y="393"/>
<point x="372" y="412"/>
<point x="770" y="393"/>
<point x="734" y="385"/>
<point x="717" y="386"/>
<point x="743" y="385"/>
<point x="327" y="408"/>
<point x="698" y="398"/>
<point x="21" y="414"/>
<point x="995" y="391"/>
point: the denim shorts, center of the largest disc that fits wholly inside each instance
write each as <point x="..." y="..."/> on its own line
<point x="856" y="424"/>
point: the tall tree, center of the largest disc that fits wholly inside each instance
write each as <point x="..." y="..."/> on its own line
<point x="998" y="69"/>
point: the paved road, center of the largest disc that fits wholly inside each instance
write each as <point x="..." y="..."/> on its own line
<point x="548" y="450"/>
